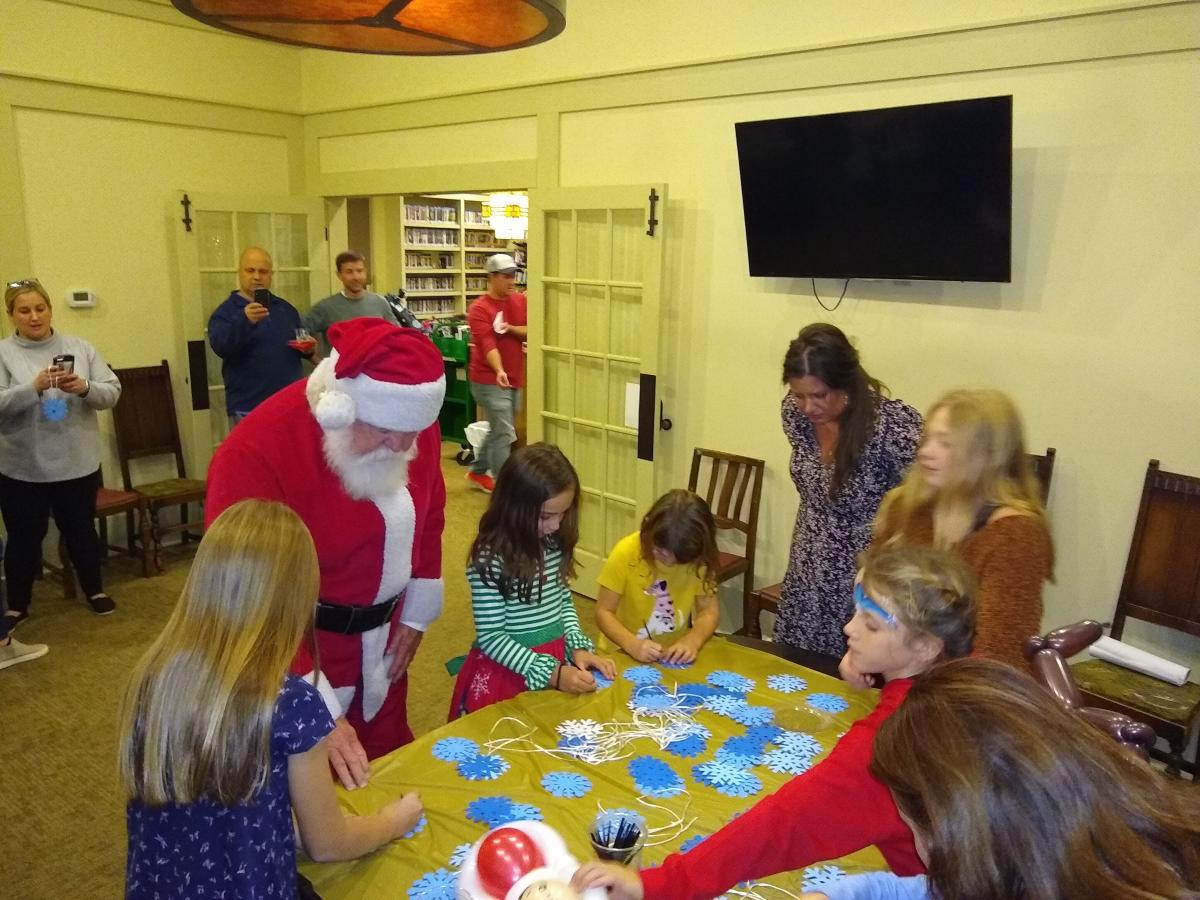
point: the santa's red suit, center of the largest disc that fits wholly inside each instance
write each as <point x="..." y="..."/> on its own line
<point x="369" y="550"/>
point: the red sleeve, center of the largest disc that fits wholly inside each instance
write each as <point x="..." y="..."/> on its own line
<point x="479" y="318"/>
<point x="427" y="558"/>
<point x="833" y="809"/>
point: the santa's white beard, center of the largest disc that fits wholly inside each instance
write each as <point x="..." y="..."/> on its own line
<point x="369" y="475"/>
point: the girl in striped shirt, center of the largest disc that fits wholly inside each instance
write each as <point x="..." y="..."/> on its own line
<point x="527" y="634"/>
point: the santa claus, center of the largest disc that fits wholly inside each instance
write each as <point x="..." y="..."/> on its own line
<point x="356" y="452"/>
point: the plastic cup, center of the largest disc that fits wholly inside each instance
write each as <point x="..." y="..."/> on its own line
<point x="618" y="836"/>
<point x="802" y="717"/>
<point x="302" y="335"/>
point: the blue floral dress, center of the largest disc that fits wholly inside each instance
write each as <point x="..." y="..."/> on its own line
<point x="816" y="599"/>
<point x="246" y="851"/>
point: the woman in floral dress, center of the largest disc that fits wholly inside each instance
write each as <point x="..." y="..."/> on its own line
<point x="850" y="446"/>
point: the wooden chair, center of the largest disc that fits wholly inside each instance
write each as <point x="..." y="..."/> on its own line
<point x="1161" y="585"/>
<point x="110" y="502"/>
<point x="1043" y="469"/>
<point x="732" y="488"/>
<point x="1048" y="660"/>
<point x="146" y="427"/>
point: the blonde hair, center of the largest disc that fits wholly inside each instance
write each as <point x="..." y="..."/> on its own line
<point x="15" y="289"/>
<point x="931" y="592"/>
<point x="989" y="467"/>
<point x="196" y="716"/>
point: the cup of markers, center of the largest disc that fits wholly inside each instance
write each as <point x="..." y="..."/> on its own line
<point x="618" y="836"/>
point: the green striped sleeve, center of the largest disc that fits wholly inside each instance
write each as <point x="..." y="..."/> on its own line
<point x="497" y="618"/>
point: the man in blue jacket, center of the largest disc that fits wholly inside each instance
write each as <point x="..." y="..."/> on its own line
<point x="255" y="334"/>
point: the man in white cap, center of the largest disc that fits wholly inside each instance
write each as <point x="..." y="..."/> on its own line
<point x="497" y="367"/>
<point x="356" y="452"/>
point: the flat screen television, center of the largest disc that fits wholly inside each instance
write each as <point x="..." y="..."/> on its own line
<point x="909" y="192"/>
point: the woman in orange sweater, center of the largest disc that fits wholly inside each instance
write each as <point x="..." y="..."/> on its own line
<point x="973" y="491"/>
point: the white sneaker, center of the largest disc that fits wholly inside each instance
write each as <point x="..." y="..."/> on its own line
<point x="15" y="652"/>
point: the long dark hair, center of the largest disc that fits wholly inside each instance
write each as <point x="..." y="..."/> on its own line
<point x="823" y="351"/>
<point x="1016" y="797"/>
<point x="681" y="522"/>
<point x="508" y="531"/>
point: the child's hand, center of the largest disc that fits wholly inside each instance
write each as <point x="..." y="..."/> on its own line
<point x="623" y="883"/>
<point x="575" y="681"/>
<point x="585" y="659"/>
<point x="403" y="814"/>
<point x="853" y="677"/>
<point x="645" y="650"/>
<point x="683" y="650"/>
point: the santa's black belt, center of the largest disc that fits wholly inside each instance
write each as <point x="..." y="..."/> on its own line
<point x="354" y="619"/>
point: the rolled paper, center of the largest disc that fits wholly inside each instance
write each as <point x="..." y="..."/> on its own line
<point x="1131" y="657"/>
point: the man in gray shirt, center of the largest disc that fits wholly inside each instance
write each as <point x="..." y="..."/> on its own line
<point x="351" y="302"/>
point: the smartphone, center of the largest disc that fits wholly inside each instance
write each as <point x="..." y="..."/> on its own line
<point x="262" y="295"/>
<point x="64" y="362"/>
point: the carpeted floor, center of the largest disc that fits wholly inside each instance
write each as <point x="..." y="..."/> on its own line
<point x="62" y="829"/>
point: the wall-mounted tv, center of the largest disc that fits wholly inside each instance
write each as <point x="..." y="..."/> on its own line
<point x="909" y="192"/>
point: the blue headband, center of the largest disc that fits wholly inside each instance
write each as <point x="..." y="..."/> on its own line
<point x="866" y="604"/>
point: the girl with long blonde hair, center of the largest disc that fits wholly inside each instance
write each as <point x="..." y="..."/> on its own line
<point x="972" y="491"/>
<point x="219" y="743"/>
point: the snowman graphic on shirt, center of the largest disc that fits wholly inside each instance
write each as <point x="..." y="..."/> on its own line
<point x="662" y="617"/>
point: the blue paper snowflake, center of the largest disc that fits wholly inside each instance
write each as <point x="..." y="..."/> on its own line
<point x="691" y="842"/>
<point x="736" y="758"/>
<point x="828" y="702"/>
<point x="579" y="747"/>
<point x="675" y="665"/>
<point x="787" y="762"/>
<point x="724" y="704"/>
<point x="733" y="781"/>
<point x="731" y="681"/>
<point x="489" y="811"/>
<point x="602" y="681"/>
<point x="799" y="743"/>
<point x="439" y="885"/>
<point x="654" y="777"/>
<point x="55" y="409"/>
<point x="642" y="675"/>
<point x="786" y="684"/>
<point x="745" y="745"/>
<point x="484" y="767"/>
<point x="763" y="734"/>
<point x="418" y="828"/>
<point x="752" y="715"/>
<point x="459" y="855"/>
<point x="651" y="698"/>
<point x="817" y="877"/>
<point x="566" y="784"/>
<point x="690" y="746"/>
<point x="455" y="749"/>
<point x="523" y="812"/>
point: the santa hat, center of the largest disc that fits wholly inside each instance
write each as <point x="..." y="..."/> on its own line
<point x="386" y="376"/>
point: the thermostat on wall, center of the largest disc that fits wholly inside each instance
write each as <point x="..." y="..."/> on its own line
<point x="81" y="299"/>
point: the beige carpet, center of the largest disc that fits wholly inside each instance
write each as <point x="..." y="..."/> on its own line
<point x="62" y="829"/>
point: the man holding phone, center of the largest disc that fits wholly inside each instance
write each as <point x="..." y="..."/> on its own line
<point x="255" y="334"/>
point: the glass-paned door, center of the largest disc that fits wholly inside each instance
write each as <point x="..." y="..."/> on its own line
<point x="594" y="281"/>
<point x="292" y="230"/>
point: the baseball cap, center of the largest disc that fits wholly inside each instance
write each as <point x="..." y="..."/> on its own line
<point x="501" y="262"/>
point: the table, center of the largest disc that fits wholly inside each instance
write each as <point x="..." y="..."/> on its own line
<point x="422" y="866"/>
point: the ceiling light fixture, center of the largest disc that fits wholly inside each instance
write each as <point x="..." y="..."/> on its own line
<point x="400" y="27"/>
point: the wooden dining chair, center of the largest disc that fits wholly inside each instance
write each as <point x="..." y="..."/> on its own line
<point x="1162" y="586"/>
<point x="732" y="487"/>
<point x="146" y="428"/>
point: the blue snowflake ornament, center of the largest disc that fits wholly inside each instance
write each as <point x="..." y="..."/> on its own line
<point x="786" y="684"/>
<point x="828" y="702"/>
<point x="602" y="681"/>
<point x="731" y="681"/>
<point x="817" y="877"/>
<point x="787" y="762"/>
<point x="579" y="747"/>
<point x="418" y="828"/>
<point x="459" y="855"/>
<point x="455" y="749"/>
<point x="642" y="675"/>
<point x="763" y="734"/>
<point x="799" y="743"/>
<point x="654" y="777"/>
<point x="675" y="665"/>
<point x="54" y="409"/>
<point x="439" y="885"/>
<point x="566" y="784"/>
<point x="752" y="715"/>
<point x="650" y="699"/>
<point x="523" y="812"/>
<point x="740" y="751"/>
<point x="724" y="704"/>
<point x="484" y="767"/>
<point x="730" y="780"/>
<point x="490" y="811"/>
<point x="687" y="747"/>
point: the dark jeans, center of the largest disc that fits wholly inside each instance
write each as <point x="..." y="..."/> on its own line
<point x="26" y="507"/>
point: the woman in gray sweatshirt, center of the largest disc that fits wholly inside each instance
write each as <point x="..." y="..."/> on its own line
<point x="51" y="386"/>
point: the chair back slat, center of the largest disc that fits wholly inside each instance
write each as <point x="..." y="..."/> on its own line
<point x="732" y="488"/>
<point x="1162" y="575"/>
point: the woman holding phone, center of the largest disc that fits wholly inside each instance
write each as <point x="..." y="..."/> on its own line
<point x="51" y="386"/>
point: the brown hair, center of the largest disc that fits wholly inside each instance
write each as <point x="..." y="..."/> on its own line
<point x="930" y="591"/>
<point x="508" y="536"/>
<point x="681" y="522"/>
<point x="15" y="289"/>
<point x="824" y="352"/>
<point x="990" y="467"/>
<point x="348" y="256"/>
<point x="1015" y="797"/>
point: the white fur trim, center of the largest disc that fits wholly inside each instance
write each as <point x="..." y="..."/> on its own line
<point x="332" y="696"/>
<point x="335" y="410"/>
<point x="422" y="602"/>
<point x="396" y="407"/>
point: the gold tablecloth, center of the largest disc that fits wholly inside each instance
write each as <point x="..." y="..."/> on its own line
<point x="392" y="870"/>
